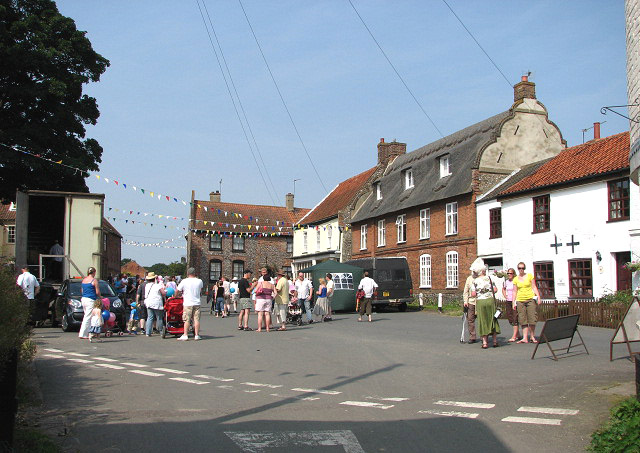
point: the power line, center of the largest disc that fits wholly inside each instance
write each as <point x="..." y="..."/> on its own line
<point x="282" y="98"/>
<point x="395" y="70"/>
<point x="235" y="107"/>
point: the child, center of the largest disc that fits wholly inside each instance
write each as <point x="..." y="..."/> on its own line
<point x="96" y="321"/>
<point x="132" y="326"/>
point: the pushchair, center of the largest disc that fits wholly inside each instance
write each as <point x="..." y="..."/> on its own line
<point x="173" y="323"/>
<point x="294" y="313"/>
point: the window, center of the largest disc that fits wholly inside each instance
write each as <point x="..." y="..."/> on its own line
<point x="215" y="270"/>
<point x="495" y="223"/>
<point x="104" y="240"/>
<point x="580" y="278"/>
<point x="305" y="242"/>
<point x="329" y="236"/>
<point x="287" y="271"/>
<point x="452" y="269"/>
<point x="318" y="240"/>
<point x="381" y="234"/>
<point x="363" y="237"/>
<point x="401" y="227"/>
<point x="11" y="235"/>
<point x="425" y="223"/>
<point x="342" y="280"/>
<point x="444" y="166"/>
<point x="237" y="269"/>
<point x="425" y="271"/>
<point x="619" y="200"/>
<point x="543" y="272"/>
<point x="215" y="242"/>
<point x="452" y="218"/>
<point x="378" y="191"/>
<point x="408" y="179"/>
<point x="541" y="219"/>
<point x="289" y="245"/>
<point x="238" y="244"/>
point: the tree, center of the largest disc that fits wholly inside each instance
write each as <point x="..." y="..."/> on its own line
<point x="124" y="261"/>
<point x="45" y="63"/>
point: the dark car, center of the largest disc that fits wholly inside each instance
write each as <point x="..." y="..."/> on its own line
<point x="393" y="278"/>
<point x="68" y="309"/>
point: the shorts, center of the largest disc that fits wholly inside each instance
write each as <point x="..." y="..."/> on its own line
<point x="527" y="312"/>
<point x="512" y="313"/>
<point x="245" y="303"/>
<point x="191" y="311"/>
<point x="263" y="304"/>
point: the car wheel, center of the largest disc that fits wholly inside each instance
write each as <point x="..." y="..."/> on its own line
<point x="65" y="324"/>
<point x="402" y="307"/>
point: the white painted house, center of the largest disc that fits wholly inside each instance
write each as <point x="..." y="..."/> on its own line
<point x="570" y="219"/>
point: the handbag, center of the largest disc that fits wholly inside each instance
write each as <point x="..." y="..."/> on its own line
<point x="498" y="312"/>
<point x="259" y="291"/>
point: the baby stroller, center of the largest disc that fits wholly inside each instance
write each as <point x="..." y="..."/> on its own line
<point x="115" y="328"/>
<point x="294" y="313"/>
<point x="173" y="323"/>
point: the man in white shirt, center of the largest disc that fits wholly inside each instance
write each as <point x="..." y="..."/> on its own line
<point x="190" y="289"/>
<point x="304" y="293"/>
<point x="368" y="285"/>
<point x="28" y="283"/>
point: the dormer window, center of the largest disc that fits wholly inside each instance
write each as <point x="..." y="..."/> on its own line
<point x="444" y="166"/>
<point x="408" y="179"/>
<point x="378" y="191"/>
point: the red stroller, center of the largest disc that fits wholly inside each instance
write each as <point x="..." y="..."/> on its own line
<point x="173" y="323"/>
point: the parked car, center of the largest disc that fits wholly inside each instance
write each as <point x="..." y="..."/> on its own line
<point x="393" y="278"/>
<point x="68" y="311"/>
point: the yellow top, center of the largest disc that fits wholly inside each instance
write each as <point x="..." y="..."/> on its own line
<point x="525" y="291"/>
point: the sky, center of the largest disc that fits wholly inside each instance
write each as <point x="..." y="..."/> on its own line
<point x="168" y="124"/>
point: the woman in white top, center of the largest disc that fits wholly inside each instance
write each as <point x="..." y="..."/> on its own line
<point x="154" y="301"/>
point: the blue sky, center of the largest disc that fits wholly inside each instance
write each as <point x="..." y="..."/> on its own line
<point x="167" y="122"/>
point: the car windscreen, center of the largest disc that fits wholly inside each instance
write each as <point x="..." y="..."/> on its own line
<point x="75" y="289"/>
<point x="391" y="275"/>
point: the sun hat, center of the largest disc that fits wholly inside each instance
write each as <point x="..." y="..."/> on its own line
<point x="151" y="275"/>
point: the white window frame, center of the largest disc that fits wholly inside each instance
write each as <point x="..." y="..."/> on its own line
<point x="425" y="223"/>
<point x="305" y="242"/>
<point x="363" y="237"/>
<point x="452" y="218"/>
<point x="401" y="229"/>
<point x="318" y="240"/>
<point x="329" y="236"/>
<point x="408" y="179"/>
<point x="378" y="191"/>
<point x="445" y="167"/>
<point x="452" y="269"/>
<point x="425" y="271"/>
<point x="382" y="241"/>
<point x="11" y="234"/>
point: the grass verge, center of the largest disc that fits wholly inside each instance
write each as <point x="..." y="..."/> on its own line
<point x="622" y="432"/>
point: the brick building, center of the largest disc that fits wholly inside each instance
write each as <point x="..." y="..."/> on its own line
<point x="8" y="222"/>
<point x="423" y="207"/>
<point x="111" y="249"/>
<point x="226" y="239"/>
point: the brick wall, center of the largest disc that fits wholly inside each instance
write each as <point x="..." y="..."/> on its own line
<point x="112" y="255"/>
<point x="484" y="181"/>
<point x="632" y="12"/>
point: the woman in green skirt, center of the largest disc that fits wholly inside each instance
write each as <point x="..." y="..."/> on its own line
<point x="483" y="291"/>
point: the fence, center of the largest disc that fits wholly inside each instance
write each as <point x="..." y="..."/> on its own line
<point x="592" y="312"/>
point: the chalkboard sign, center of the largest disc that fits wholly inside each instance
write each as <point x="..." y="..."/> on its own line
<point x="562" y="328"/>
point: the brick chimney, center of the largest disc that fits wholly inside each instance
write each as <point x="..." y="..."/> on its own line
<point x="289" y="202"/>
<point x="387" y="151"/>
<point x="214" y="196"/>
<point x="524" y="89"/>
<point x="596" y="131"/>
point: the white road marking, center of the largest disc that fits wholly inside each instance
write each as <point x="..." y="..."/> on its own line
<point x="533" y="421"/>
<point x="466" y="404"/>
<point x="548" y="410"/>
<point x="379" y="398"/>
<point x="253" y="442"/>
<point x="227" y="387"/>
<point x="53" y="356"/>
<point x="137" y="365"/>
<point x="80" y="360"/>
<point x="450" y="414"/>
<point x="169" y="370"/>
<point x="323" y="392"/>
<point x="213" y="378"/>
<point x="308" y="398"/>
<point x="146" y="373"/>
<point x="108" y="365"/>
<point x="251" y="391"/>
<point x="53" y="350"/>
<point x="77" y="354"/>
<point x="189" y="381"/>
<point x="104" y="359"/>
<point x="367" y="404"/>
<point x="255" y="384"/>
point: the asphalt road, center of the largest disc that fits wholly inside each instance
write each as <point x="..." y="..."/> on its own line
<point x="402" y="383"/>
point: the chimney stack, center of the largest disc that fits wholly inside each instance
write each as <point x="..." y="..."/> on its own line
<point x="524" y="89"/>
<point x="214" y="196"/>
<point x="596" y="131"/>
<point x="387" y="151"/>
<point x="289" y="202"/>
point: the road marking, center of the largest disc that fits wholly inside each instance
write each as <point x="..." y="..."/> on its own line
<point x="80" y="360"/>
<point x="227" y="387"/>
<point x="533" y="421"/>
<point x="367" y="404"/>
<point x="548" y="410"/>
<point x="53" y="356"/>
<point x="466" y="404"/>
<point x="450" y="414"/>
<point x="323" y="392"/>
<point x="137" y="365"/>
<point x="378" y="398"/>
<point x="146" y="373"/>
<point x="53" y="350"/>
<point x="169" y="370"/>
<point x="104" y="359"/>
<point x="77" y="354"/>
<point x="213" y="378"/>
<point x="253" y="442"/>
<point x="255" y="384"/>
<point x="189" y="381"/>
<point x="251" y="391"/>
<point x="108" y="365"/>
<point x="307" y="398"/>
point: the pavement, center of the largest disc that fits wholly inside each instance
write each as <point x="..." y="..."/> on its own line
<point x="401" y="383"/>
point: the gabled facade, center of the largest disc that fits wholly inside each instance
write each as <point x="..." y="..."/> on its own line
<point x="8" y="222"/>
<point x="111" y="249"/>
<point x="569" y="220"/>
<point x="423" y="207"/>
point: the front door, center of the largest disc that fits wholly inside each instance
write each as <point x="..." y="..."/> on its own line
<point x="623" y="275"/>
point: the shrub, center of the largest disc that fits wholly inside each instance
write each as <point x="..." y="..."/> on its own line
<point x="621" y="298"/>
<point x="622" y="432"/>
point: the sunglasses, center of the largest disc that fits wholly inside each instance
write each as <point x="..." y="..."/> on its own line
<point x="521" y="268"/>
<point x="510" y="273"/>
